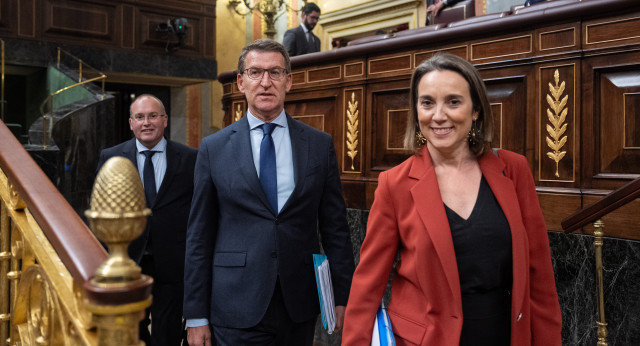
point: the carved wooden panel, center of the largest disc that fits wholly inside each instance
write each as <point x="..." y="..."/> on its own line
<point x="510" y="47"/>
<point x="387" y="64"/>
<point x="562" y="37"/>
<point x="27" y="18"/>
<point x="556" y="207"/>
<point x="128" y="31"/>
<point x="227" y="88"/>
<point x="182" y="6"/>
<point x="80" y="20"/>
<point x="612" y="31"/>
<point x="298" y="77"/>
<point x="421" y="56"/>
<point x="557" y="123"/>
<point x="8" y="17"/>
<point x="389" y="111"/>
<point x="508" y="99"/>
<point x="317" y="110"/>
<point x="619" y="121"/>
<point x="354" y="69"/>
<point x="129" y="24"/>
<point x="209" y="38"/>
<point x="325" y="74"/>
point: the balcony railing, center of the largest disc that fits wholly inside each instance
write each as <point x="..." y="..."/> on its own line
<point x="47" y="106"/>
<point x="593" y="214"/>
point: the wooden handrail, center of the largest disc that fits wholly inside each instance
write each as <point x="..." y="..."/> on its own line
<point x="73" y="241"/>
<point x="611" y="202"/>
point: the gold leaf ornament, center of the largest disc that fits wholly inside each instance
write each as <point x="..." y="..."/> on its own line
<point x="557" y="115"/>
<point x="352" y="129"/>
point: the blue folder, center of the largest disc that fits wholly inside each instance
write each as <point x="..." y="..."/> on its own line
<point x="325" y="291"/>
<point x="382" y="334"/>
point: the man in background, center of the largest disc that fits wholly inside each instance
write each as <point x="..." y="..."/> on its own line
<point x="166" y="170"/>
<point x="267" y="190"/>
<point x="301" y="40"/>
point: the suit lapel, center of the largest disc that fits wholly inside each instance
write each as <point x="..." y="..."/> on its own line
<point x="300" y="155"/>
<point x="173" y="162"/>
<point x="502" y="187"/>
<point x="240" y="140"/>
<point x="131" y="152"/>
<point x="426" y="198"/>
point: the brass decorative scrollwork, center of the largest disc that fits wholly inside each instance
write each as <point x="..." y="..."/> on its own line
<point x="352" y="129"/>
<point x="555" y="140"/>
<point x="37" y="314"/>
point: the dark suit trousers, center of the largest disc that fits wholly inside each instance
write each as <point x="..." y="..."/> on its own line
<point x="166" y="310"/>
<point x="275" y="329"/>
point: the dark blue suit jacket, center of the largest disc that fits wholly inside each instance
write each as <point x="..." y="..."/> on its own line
<point x="237" y="247"/>
<point x="295" y="41"/>
<point x="167" y="226"/>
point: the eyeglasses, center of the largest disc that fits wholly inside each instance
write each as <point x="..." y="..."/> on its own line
<point x="150" y="117"/>
<point x="275" y="73"/>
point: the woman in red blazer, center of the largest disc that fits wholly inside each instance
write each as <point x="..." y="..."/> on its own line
<point x="475" y="265"/>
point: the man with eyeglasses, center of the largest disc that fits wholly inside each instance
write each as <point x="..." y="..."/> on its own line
<point x="267" y="189"/>
<point x="301" y="40"/>
<point x="166" y="170"/>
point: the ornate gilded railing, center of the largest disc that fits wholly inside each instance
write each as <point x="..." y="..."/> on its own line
<point x="58" y="286"/>
<point x="48" y="102"/>
<point x="593" y="214"/>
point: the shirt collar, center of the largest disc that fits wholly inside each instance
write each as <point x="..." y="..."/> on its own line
<point x="160" y="147"/>
<point x="304" y="27"/>
<point x="280" y="120"/>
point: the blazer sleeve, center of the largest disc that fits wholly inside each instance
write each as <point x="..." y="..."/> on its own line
<point x="372" y="273"/>
<point x="201" y="235"/>
<point x="336" y="239"/>
<point x="289" y="42"/>
<point x="546" y="318"/>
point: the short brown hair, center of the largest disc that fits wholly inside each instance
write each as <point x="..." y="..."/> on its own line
<point x="264" y="45"/>
<point x="477" y="89"/>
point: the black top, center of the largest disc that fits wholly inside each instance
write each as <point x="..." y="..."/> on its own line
<point x="483" y="252"/>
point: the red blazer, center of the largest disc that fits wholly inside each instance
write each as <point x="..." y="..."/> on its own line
<point x="426" y="307"/>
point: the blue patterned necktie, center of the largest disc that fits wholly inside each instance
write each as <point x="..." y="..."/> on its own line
<point x="268" y="177"/>
<point x="149" y="177"/>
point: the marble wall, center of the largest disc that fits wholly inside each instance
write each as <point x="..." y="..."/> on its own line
<point x="574" y="266"/>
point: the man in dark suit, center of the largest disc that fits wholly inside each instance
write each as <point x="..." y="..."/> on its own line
<point x="168" y="181"/>
<point x="301" y="40"/>
<point x="267" y="189"/>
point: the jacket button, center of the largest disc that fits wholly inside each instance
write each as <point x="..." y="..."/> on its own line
<point x="519" y="317"/>
<point x="277" y="221"/>
<point x="274" y="254"/>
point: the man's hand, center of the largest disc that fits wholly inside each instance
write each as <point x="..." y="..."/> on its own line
<point x="199" y="336"/>
<point x="435" y="8"/>
<point x="339" y="318"/>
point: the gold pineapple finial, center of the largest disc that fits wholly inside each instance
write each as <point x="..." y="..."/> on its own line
<point x="117" y="216"/>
